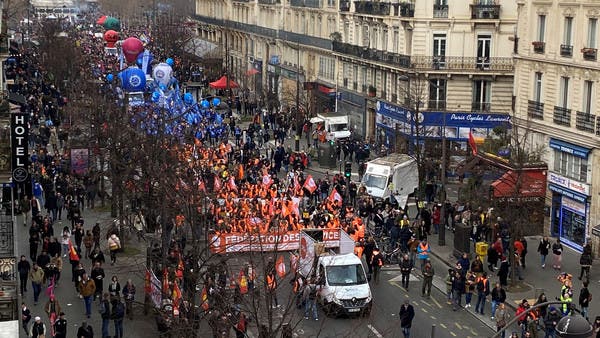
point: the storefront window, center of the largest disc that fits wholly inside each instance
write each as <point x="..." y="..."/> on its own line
<point x="573" y="221"/>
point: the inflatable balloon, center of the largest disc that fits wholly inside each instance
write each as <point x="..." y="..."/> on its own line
<point x="140" y="62"/>
<point x="216" y="102"/>
<point x="218" y="119"/>
<point x="111" y="37"/>
<point x="155" y="97"/>
<point x="162" y="73"/>
<point x="132" y="47"/>
<point x="133" y="80"/>
<point x="49" y="123"/>
<point x="109" y="77"/>
<point x="188" y="98"/>
<point x="101" y="20"/>
<point x="112" y="23"/>
<point x="170" y="62"/>
<point x="205" y="104"/>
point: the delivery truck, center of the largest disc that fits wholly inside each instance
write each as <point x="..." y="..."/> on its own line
<point x="335" y="124"/>
<point x="394" y="175"/>
<point x="342" y="285"/>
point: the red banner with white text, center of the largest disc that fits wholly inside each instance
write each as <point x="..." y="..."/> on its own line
<point x="283" y="241"/>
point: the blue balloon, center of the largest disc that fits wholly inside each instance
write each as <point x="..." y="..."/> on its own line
<point x="218" y="119"/>
<point x="205" y="104"/>
<point x="155" y="97"/>
<point x="170" y="62"/>
<point x="162" y="86"/>
<point x="216" y="102"/>
<point x="188" y="98"/>
<point x="49" y="123"/>
<point x="133" y="79"/>
<point x="109" y="77"/>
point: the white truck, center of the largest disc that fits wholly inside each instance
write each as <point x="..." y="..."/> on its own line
<point x="336" y="125"/>
<point x="393" y="175"/>
<point x="342" y="285"/>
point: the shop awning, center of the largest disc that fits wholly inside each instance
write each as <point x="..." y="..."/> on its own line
<point x="531" y="183"/>
<point x="252" y="71"/>
<point x="326" y="90"/>
<point x="222" y="83"/>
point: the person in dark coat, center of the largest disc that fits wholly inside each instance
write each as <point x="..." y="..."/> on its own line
<point x="407" y="313"/>
<point x="368" y="252"/>
<point x="503" y="272"/>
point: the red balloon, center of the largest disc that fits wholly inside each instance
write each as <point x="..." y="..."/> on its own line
<point x="111" y="37"/>
<point x="132" y="47"/>
<point x="101" y="20"/>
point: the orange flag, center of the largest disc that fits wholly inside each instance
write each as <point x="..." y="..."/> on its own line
<point x="241" y="172"/>
<point x="472" y="143"/>
<point x="176" y="296"/>
<point x="280" y="267"/>
<point x="204" y="299"/>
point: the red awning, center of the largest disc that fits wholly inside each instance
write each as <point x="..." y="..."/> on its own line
<point x="326" y="90"/>
<point x="532" y="183"/>
<point x="222" y="83"/>
<point x="252" y="71"/>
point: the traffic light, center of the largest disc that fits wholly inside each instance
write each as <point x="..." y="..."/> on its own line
<point x="348" y="169"/>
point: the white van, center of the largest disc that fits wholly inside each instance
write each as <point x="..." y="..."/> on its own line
<point x="336" y="125"/>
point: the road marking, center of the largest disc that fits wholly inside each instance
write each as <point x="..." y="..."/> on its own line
<point x="424" y="302"/>
<point x="424" y="310"/>
<point x="458" y="326"/>
<point x="473" y="332"/>
<point x="377" y="334"/>
<point x="433" y="317"/>
<point x="443" y="325"/>
<point x="396" y="284"/>
<point x="436" y="302"/>
<point x="453" y="334"/>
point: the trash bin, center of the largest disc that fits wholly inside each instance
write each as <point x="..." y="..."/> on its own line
<point x="481" y="249"/>
<point x="462" y="239"/>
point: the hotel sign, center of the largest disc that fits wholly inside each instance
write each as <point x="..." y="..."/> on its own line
<point x="19" y="134"/>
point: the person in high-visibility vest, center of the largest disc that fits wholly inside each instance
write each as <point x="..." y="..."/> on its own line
<point x="272" y="288"/>
<point x="298" y="288"/>
<point x="423" y="251"/>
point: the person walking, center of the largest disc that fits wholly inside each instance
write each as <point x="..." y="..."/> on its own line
<point x="585" y="296"/>
<point x="87" y="288"/>
<point x="118" y="313"/>
<point x="114" y="245"/>
<point x="272" y="287"/>
<point x="470" y="285"/>
<point x="550" y="321"/>
<point x="407" y="314"/>
<point x="405" y="269"/>
<point x="25" y="317"/>
<point x="85" y="331"/>
<point x="423" y="251"/>
<point x="376" y="264"/>
<point x="585" y="261"/>
<point x="503" y="271"/>
<point x="60" y="326"/>
<point x="483" y="290"/>
<point x="52" y="309"/>
<point x="498" y="297"/>
<point x="544" y="249"/>
<point x="38" y="329"/>
<point x="428" y="273"/>
<point x="501" y="319"/>
<point x="458" y="288"/>
<point x="310" y="298"/>
<point x="36" y="275"/>
<point x="23" y="267"/>
<point x="98" y="277"/>
<point x="105" y="314"/>
<point x="129" y="296"/>
<point x="114" y="288"/>
<point x="557" y="249"/>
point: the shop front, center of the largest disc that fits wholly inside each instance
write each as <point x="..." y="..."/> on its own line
<point x="570" y="210"/>
<point x="353" y="104"/>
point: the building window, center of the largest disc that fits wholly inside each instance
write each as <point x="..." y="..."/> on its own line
<point x="482" y="94"/>
<point x="563" y="98"/>
<point x="384" y="79"/>
<point x="484" y="46"/>
<point x="326" y="68"/>
<point x="592" y="27"/>
<point x="384" y="38"/>
<point x="437" y="94"/>
<point x="541" y="27"/>
<point x="364" y="79"/>
<point x="588" y="87"/>
<point x="355" y="78"/>
<point x="395" y="41"/>
<point x="568" y="31"/>
<point x="537" y="89"/>
<point x="571" y="166"/>
<point x="439" y="50"/>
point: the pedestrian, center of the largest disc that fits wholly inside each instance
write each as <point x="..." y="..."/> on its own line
<point x="272" y="287"/>
<point x="542" y="309"/>
<point x="241" y="326"/>
<point x="544" y="249"/>
<point x="60" y="326"/>
<point x="23" y="267"/>
<point x="368" y="252"/>
<point x="407" y="314"/>
<point x="376" y="264"/>
<point x="98" y="275"/>
<point x="52" y="309"/>
<point x="114" y="245"/>
<point x="298" y="285"/>
<point x="96" y="234"/>
<point x="118" y="313"/>
<point x="557" y="249"/>
<point x="423" y="251"/>
<point x="428" y="273"/>
<point x="87" y="288"/>
<point x="25" y="317"/>
<point x="498" y="297"/>
<point x="585" y="261"/>
<point x="596" y="326"/>
<point x="501" y="319"/>
<point x="34" y="243"/>
<point x="104" y="310"/>
<point x="114" y="288"/>
<point x="38" y="329"/>
<point x="471" y="283"/>
<point x="129" y="296"/>
<point x="97" y="256"/>
<point x="503" y="272"/>
<point x="66" y="238"/>
<point x="458" y="288"/>
<point x="483" y="290"/>
<point x="492" y="258"/>
<point x="88" y="241"/>
<point x="310" y="298"/>
<point x="585" y="297"/>
<point x="36" y="275"/>
<point x="406" y="267"/>
<point x="550" y="322"/>
<point x="85" y="331"/>
<point x="523" y="252"/>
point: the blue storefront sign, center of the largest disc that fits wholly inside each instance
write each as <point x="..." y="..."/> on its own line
<point x="455" y="125"/>
<point x="569" y="148"/>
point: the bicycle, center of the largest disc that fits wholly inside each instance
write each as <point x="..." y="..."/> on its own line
<point x="392" y="256"/>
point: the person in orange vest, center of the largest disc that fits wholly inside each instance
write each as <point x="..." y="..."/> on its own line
<point x="251" y="273"/>
<point x="376" y="263"/>
<point x="298" y="284"/>
<point x="423" y="251"/>
<point x="483" y="290"/>
<point x="272" y="288"/>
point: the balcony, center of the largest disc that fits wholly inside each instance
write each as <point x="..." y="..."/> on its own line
<point x="483" y="11"/>
<point x="538" y="46"/>
<point x="306" y="3"/>
<point x="440" y="11"/>
<point x="460" y="63"/>
<point x="372" y="54"/>
<point x="481" y="107"/>
<point x="436" y="104"/>
<point x="372" y="8"/>
<point x="535" y="110"/>
<point x="566" y="50"/>
<point x="269" y="2"/>
<point x="562" y="116"/>
<point x="241" y="0"/>
<point x="589" y="54"/>
<point x="585" y="122"/>
<point x="344" y="6"/>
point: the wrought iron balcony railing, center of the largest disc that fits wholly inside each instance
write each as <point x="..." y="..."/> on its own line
<point x="562" y="116"/>
<point x="585" y="122"/>
<point x="566" y="50"/>
<point x="462" y="63"/>
<point x="535" y="110"/>
<point x="372" y="54"/>
<point x="440" y="11"/>
<point x="484" y="11"/>
<point x="372" y="7"/>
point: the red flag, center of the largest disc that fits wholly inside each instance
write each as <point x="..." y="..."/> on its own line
<point x="231" y="184"/>
<point x="72" y="252"/>
<point x="335" y="196"/>
<point x="472" y="143"/>
<point x="204" y="299"/>
<point x="217" y="185"/>
<point x="201" y="186"/>
<point x="176" y="296"/>
<point x="280" y="267"/>
<point x="243" y="282"/>
<point x="296" y="183"/>
<point x="309" y="184"/>
<point x="267" y="180"/>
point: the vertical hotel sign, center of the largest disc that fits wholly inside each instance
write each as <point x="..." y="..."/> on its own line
<point x="19" y="135"/>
